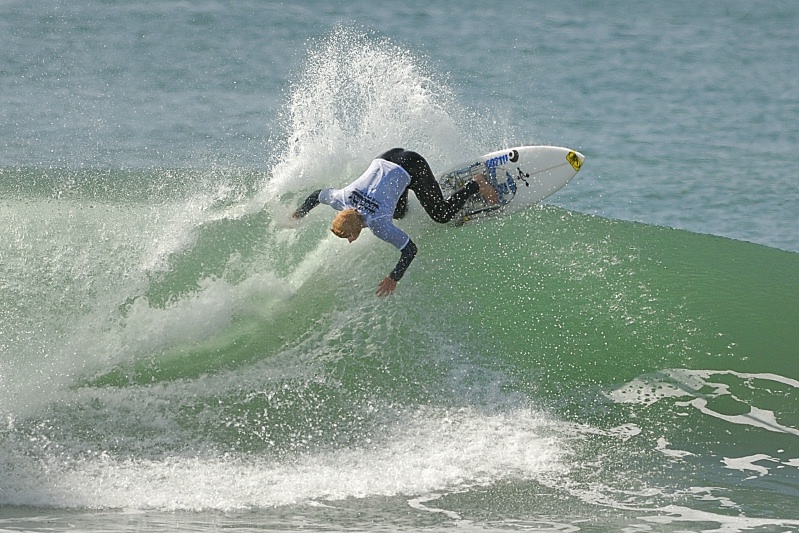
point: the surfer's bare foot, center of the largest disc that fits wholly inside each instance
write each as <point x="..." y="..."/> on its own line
<point x="488" y="192"/>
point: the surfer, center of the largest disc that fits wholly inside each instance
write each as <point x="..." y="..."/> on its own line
<point x="381" y="193"/>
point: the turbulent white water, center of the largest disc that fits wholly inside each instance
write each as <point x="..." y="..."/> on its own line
<point x="177" y="353"/>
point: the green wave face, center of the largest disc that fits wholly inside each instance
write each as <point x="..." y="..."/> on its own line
<point x="575" y="348"/>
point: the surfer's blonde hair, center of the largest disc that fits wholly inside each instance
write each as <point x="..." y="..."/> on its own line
<point x="348" y="223"/>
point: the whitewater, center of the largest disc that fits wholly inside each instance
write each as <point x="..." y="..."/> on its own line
<point x="177" y="353"/>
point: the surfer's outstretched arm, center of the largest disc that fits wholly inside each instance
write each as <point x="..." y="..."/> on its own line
<point x="309" y="203"/>
<point x="407" y="254"/>
<point x="389" y="283"/>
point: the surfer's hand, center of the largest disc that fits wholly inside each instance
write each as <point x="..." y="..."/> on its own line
<point x="386" y="287"/>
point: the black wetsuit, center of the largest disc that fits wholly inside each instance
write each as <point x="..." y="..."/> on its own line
<point x="426" y="188"/>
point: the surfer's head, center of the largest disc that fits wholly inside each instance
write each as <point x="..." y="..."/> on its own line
<point x="347" y="224"/>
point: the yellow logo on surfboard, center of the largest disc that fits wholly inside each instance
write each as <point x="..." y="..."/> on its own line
<point x="575" y="162"/>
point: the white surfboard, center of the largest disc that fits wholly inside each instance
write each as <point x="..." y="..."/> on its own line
<point x="523" y="176"/>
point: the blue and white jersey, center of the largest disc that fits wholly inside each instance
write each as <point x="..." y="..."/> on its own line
<point x="374" y="195"/>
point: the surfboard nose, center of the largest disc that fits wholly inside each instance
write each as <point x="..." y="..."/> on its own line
<point x="576" y="159"/>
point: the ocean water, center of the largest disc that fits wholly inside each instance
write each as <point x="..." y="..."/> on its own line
<point x="176" y="354"/>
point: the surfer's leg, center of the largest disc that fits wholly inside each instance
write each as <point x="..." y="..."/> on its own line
<point x="426" y="188"/>
<point x="442" y="210"/>
<point x="428" y="191"/>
